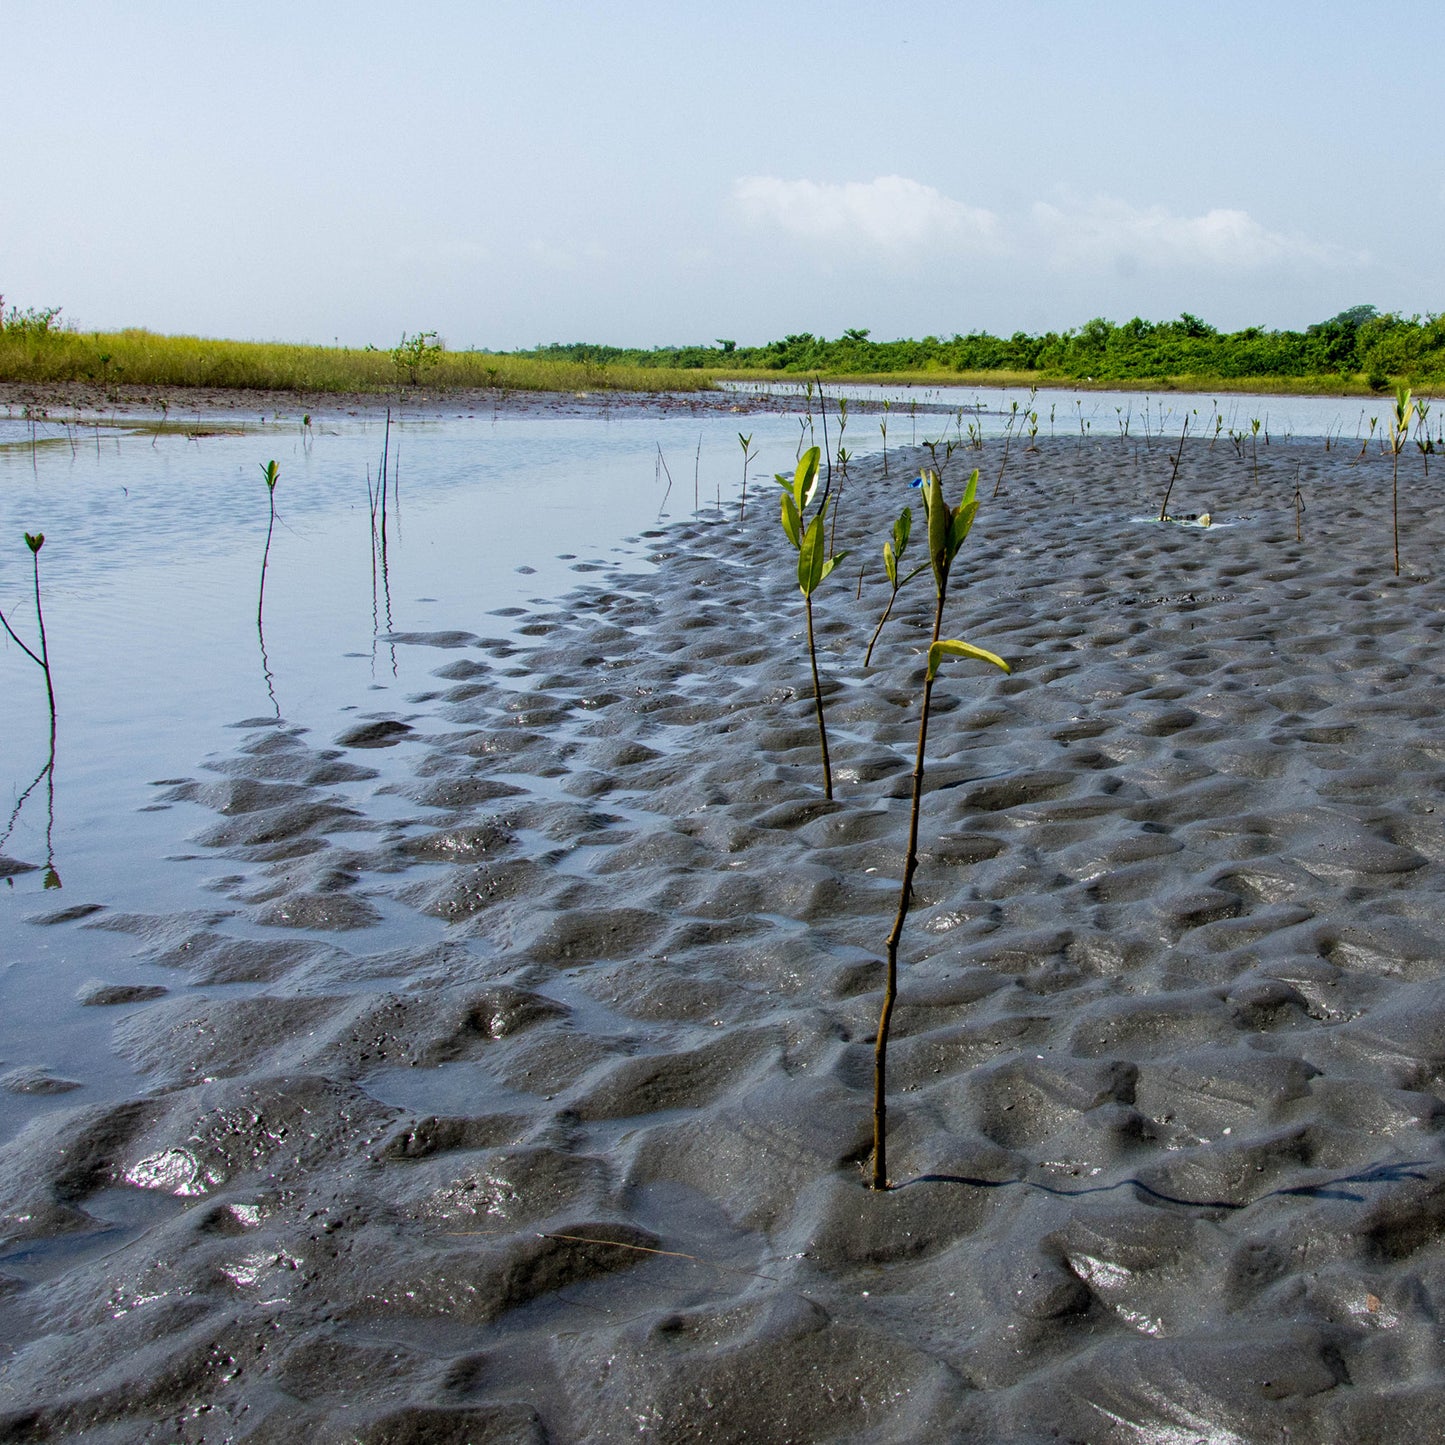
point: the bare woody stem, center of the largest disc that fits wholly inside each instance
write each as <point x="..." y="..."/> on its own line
<point x="1174" y="475"/>
<point x="905" y="898"/>
<point x="818" y="701"/>
<point x="1395" y="497"/>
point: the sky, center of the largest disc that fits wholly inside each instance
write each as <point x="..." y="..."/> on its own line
<point x="515" y="172"/>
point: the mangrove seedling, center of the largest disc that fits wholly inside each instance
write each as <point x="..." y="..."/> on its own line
<point x="1174" y="474"/>
<point x="948" y="528"/>
<point x="749" y="455"/>
<point x="883" y="427"/>
<point x="893" y="551"/>
<point x="1299" y="507"/>
<point x="806" y="535"/>
<point x="271" y="472"/>
<point x="42" y="658"/>
<point x="1399" y="431"/>
<point x="1007" y="442"/>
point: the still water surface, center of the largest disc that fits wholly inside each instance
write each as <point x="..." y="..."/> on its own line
<point x="150" y="570"/>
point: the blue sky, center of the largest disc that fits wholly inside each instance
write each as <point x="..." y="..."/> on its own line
<point x="513" y="173"/>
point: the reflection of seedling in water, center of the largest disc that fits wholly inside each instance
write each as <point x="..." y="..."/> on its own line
<point x="42" y="660"/>
<point x="1399" y="431"/>
<point x="806" y="536"/>
<point x="948" y="527"/>
<point x="746" y="443"/>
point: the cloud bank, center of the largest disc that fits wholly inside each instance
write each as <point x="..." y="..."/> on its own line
<point x="888" y="214"/>
<point x="892" y="215"/>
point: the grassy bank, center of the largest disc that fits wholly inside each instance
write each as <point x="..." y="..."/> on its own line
<point x="1357" y="353"/>
<point x="1026" y="380"/>
<point x="48" y="355"/>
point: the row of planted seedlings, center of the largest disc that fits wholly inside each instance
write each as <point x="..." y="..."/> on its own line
<point x="805" y="511"/>
<point x="805" y="515"/>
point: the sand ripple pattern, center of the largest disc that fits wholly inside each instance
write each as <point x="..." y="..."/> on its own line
<point x="515" y="1087"/>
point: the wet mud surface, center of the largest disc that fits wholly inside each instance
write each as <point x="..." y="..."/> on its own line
<point x="515" y="1080"/>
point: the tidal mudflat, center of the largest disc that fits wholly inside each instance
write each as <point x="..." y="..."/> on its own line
<point x="512" y="1077"/>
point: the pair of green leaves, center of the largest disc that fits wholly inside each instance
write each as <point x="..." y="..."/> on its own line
<point x="893" y="550"/>
<point x="36" y="542"/>
<point x="948" y="529"/>
<point x="272" y="473"/>
<point x="806" y="536"/>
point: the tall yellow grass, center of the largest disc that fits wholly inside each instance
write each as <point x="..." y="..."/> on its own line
<point x="144" y="358"/>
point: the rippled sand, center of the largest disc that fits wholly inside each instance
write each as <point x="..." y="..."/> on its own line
<point x="576" y="1155"/>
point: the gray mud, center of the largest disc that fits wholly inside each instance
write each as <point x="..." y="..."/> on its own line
<point x="525" y="1096"/>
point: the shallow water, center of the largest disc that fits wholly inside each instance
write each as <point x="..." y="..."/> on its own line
<point x="154" y="537"/>
<point x="150" y="573"/>
<point x="914" y="412"/>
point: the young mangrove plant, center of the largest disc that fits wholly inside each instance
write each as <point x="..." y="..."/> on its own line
<point x="746" y="442"/>
<point x="883" y="427"/>
<point x="1399" y="431"/>
<point x="1174" y="474"/>
<point x="42" y="658"/>
<point x="806" y="535"/>
<point x="948" y="528"/>
<point x="272" y="474"/>
<point x="893" y="551"/>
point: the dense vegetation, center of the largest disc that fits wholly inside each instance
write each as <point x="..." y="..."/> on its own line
<point x="1358" y="346"/>
<point x="1359" y="349"/>
<point x="36" y="348"/>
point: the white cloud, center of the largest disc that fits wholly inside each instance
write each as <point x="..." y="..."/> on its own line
<point x="890" y="214"/>
<point x="1108" y="231"/>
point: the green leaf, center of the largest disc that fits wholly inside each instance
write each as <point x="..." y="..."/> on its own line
<point x="890" y="564"/>
<point x="903" y="529"/>
<point x="831" y="563"/>
<point x="805" y="481"/>
<point x="810" y="556"/>
<point x="954" y="648"/>
<point x="791" y="521"/>
<point x="970" y="491"/>
<point x="36" y="542"/>
<point x="938" y="522"/>
<point x="961" y="526"/>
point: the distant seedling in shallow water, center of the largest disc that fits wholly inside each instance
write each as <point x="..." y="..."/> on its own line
<point x="272" y="474"/>
<point x="42" y="658"/>
<point x="1399" y="431"/>
<point x="746" y="443"/>
<point x="948" y="527"/>
<point x="808" y="539"/>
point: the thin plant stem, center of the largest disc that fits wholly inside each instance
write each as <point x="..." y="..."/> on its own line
<point x="905" y="898"/>
<point x="1174" y="475"/>
<point x="44" y="658"/>
<point x="818" y="701"/>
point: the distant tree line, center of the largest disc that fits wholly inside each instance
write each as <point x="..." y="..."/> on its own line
<point x="1359" y="342"/>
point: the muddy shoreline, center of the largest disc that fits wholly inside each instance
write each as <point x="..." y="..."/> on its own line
<point x="585" y="1165"/>
<point x="61" y="399"/>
